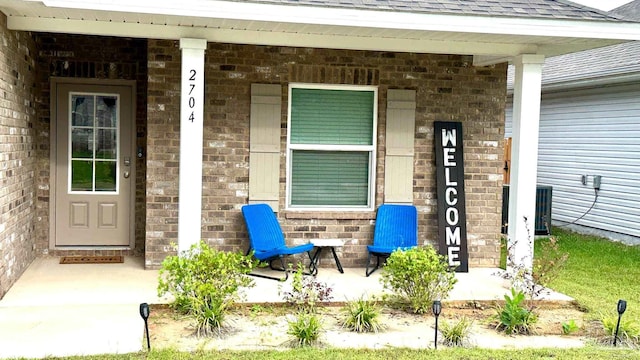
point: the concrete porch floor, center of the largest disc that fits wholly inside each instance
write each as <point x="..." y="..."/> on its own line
<point x="82" y="309"/>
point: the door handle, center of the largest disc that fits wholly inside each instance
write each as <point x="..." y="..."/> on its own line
<point x="125" y="174"/>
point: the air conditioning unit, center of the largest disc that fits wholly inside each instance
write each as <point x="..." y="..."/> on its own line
<point x="543" y="209"/>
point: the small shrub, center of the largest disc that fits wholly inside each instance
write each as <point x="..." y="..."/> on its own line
<point x="628" y="333"/>
<point x="305" y="330"/>
<point x="204" y="283"/>
<point x="418" y="275"/>
<point x="306" y="291"/>
<point x="362" y="316"/>
<point x="515" y="317"/>
<point x="569" y="327"/>
<point x="456" y="334"/>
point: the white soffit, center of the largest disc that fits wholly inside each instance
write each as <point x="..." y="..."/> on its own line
<point x="492" y="38"/>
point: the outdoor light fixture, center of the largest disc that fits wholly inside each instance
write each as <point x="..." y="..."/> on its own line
<point x="437" y="309"/>
<point x="622" y="307"/>
<point x="144" y="313"/>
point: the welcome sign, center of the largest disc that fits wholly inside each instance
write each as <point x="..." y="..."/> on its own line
<point x="452" y="217"/>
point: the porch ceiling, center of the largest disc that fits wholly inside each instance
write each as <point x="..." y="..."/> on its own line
<point x="490" y="38"/>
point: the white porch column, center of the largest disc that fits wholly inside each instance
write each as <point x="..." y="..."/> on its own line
<point x="191" y="122"/>
<point x="524" y="156"/>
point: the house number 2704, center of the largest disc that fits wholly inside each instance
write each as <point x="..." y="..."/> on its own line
<point x="192" y="86"/>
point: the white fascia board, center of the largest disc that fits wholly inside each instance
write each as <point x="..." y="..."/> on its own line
<point x="90" y="27"/>
<point x="364" y="18"/>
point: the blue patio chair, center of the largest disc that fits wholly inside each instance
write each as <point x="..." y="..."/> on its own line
<point x="396" y="229"/>
<point x="266" y="239"/>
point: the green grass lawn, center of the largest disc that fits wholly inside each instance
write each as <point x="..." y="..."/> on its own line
<point x="598" y="273"/>
<point x="351" y="354"/>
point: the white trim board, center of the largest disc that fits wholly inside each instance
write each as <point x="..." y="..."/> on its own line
<point x="495" y="37"/>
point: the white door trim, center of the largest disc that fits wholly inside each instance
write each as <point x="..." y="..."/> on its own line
<point x="53" y="150"/>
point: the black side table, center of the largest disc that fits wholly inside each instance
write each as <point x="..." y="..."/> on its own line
<point x="331" y="244"/>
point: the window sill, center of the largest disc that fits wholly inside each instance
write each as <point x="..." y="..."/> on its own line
<point x="333" y="215"/>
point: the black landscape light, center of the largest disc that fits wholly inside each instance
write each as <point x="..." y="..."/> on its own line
<point x="144" y="313"/>
<point x="622" y="307"/>
<point x="437" y="309"/>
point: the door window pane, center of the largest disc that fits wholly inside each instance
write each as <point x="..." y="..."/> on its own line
<point x="82" y="143"/>
<point x="105" y="176"/>
<point x="106" y="111"/>
<point x="107" y="147"/>
<point x="81" y="175"/>
<point x="82" y="110"/>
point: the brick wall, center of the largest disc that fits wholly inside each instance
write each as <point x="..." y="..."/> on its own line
<point x="92" y="57"/>
<point x="163" y="141"/>
<point x="448" y="88"/>
<point x="17" y="154"/>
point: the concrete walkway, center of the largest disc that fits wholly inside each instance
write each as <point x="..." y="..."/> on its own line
<point x="83" y="309"/>
<point x="480" y="284"/>
<point x="61" y="310"/>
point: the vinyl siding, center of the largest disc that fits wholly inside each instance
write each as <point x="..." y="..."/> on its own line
<point x="591" y="132"/>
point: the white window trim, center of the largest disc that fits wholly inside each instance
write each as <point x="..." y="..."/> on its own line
<point x="372" y="149"/>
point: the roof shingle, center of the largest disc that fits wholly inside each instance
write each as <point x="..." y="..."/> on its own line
<point x="630" y="11"/>
<point x="545" y="9"/>
<point x="605" y="61"/>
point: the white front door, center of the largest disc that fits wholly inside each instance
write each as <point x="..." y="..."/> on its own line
<point x="94" y="164"/>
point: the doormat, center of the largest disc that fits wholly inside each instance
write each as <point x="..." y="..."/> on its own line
<point x="92" y="259"/>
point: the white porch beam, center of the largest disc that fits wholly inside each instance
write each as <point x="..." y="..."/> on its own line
<point x="524" y="157"/>
<point x="486" y="60"/>
<point x="353" y="17"/>
<point x="191" y="130"/>
<point x="270" y="37"/>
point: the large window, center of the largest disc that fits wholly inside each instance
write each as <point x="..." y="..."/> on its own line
<point x="331" y="147"/>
